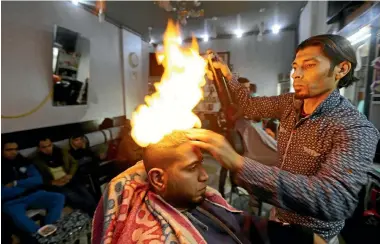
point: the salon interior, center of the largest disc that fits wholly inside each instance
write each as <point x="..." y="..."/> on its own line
<point x="77" y="76"/>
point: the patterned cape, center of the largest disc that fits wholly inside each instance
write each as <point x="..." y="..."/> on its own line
<point x="130" y="213"/>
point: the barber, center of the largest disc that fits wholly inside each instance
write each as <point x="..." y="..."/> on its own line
<point x="325" y="146"/>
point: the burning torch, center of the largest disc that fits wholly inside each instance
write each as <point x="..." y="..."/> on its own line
<point x="229" y="109"/>
<point x="226" y="121"/>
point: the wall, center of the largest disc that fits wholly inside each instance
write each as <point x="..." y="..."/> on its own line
<point x="260" y="62"/>
<point x="313" y="20"/>
<point x="135" y="78"/>
<point x="26" y="54"/>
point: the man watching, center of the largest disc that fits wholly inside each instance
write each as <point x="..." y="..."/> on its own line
<point x="88" y="161"/>
<point x="165" y="199"/>
<point x="20" y="182"/>
<point x="58" y="169"/>
<point x="326" y="147"/>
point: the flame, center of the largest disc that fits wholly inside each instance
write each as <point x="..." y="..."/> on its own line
<point x="178" y="92"/>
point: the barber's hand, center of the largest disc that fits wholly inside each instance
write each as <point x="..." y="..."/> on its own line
<point x="219" y="64"/>
<point x="218" y="146"/>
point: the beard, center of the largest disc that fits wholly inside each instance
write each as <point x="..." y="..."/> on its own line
<point x="178" y="198"/>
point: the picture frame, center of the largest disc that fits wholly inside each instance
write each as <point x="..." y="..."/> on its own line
<point x="225" y="56"/>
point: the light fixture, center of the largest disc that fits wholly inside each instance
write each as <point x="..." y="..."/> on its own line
<point x="179" y="40"/>
<point x="205" y="38"/>
<point x="55" y="51"/>
<point x="363" y="34"/>
<point x="276" y="29"/>
<point x="75" y="2"/>
<point x="239" y="33"/>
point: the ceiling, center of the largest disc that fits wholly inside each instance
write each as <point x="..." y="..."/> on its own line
<point x="220" y="17"/>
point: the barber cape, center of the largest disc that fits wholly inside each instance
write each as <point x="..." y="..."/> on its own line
<point x="129" y="212"/>
<point x="258" y="145"/>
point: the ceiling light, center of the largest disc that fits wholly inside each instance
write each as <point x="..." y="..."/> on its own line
<point x="75" y="2"/>
<point x="276" y="29"/>
<point x="179" y="40"/>
<point x="363" y="34"/>
<point x="205" y="38"/>
<point x="239" y="33"/>
<point x="262" y="10"/>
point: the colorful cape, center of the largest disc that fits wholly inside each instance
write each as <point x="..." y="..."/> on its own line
<point x="130" y="213"/>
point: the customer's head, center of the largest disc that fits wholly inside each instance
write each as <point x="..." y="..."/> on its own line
<point x="77" y="140"/>
<point x="322" y="64"/>
<point x="175" y="170"/>
<point x="10" y="149"/>
<point x="45" y="146"/>
<point x="244" y="82"/>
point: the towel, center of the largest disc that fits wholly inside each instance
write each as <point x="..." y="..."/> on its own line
<point x="129" y="212"/>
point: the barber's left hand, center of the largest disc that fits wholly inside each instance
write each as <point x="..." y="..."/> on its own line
<point x="218" y="146"/>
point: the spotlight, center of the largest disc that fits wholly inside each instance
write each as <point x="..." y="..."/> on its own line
<point x="239" y="33"/>
<point x="276" y="29"/>
<point x="205" y="38"/>
<point x="75" y="2"/>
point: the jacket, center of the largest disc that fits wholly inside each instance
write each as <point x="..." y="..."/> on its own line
<point x="21" y="171"/>
<point x="69" y="164"/>
<point x="323" y="159"/>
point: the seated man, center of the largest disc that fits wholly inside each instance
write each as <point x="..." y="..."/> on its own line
<point x="19" y="191"/>
<point x="165" y="199"/>
<point x="88" y="161"/>
<point x="58" y="169"/>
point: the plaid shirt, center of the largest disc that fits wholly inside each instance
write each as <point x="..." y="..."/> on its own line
<point x="323" y="160"/>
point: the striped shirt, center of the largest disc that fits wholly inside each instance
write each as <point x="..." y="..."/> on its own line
<point x="323" y="159"/>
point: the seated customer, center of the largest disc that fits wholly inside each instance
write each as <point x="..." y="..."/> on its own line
<point x="58" y="169"/>
<point x="165" y="199"/>
<point x="19" y="191"/>
<point x="88" y="161"/>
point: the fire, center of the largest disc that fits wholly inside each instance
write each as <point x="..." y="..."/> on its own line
<point x="178" y="92"/>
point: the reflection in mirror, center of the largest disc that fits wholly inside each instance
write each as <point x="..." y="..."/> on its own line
<point x="71" y="67"/>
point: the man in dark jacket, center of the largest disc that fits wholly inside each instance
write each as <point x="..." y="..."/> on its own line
<point x="88" y="161"/>
<point x="58" y="168"/>
<point x="19" y="190"/>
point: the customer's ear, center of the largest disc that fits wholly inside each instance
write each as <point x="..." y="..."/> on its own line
<point x="157" y="179"/>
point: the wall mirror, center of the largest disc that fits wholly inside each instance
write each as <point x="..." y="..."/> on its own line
<point x="71" y="67"/>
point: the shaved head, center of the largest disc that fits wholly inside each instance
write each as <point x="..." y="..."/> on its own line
<point x="163" y="154"/>
<point x="175" y="171"/>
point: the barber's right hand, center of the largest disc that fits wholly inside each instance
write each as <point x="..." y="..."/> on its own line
<point x="218" y="64"/>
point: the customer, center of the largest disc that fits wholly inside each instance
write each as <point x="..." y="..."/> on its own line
<point x="58" y="169"/>
<point x="167" y="196"/>
<point x="20" y="191"/>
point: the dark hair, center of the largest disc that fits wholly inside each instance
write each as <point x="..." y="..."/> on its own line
<point x="6" y="140"/>
<point x="243" y="80"/>
<point x="42" y="138"/>
<point x="252" y="87"/>
<point x="76" y="134"/>
<point x="337" y="49"/>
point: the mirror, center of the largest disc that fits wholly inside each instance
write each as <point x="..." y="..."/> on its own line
<point x="71" y="67"/>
